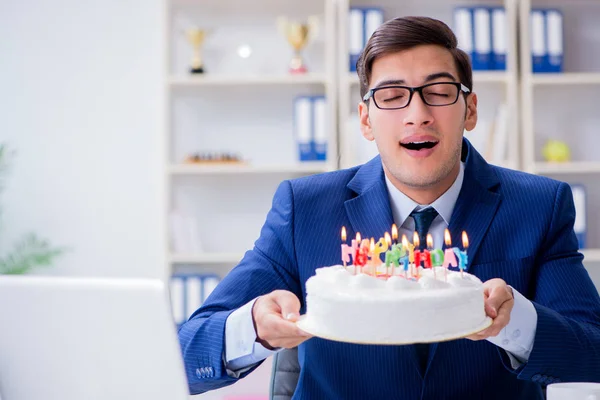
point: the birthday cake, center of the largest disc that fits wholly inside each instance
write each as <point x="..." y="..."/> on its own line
<point x="387" y="304"/>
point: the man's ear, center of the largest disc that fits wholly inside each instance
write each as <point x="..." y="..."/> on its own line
<point x="365" y="122"/>
<point x="471" y="115"/>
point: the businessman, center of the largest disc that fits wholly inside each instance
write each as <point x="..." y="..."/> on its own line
<point x="417" y="101"/>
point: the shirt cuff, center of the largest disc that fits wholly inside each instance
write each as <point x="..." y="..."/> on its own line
<point x="242" y="351"/>
<point x="517" y="337"/>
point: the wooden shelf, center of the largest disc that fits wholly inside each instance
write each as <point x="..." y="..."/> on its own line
<point x="591" y="255"/>
<point x="577" y="167"/>
<point x="206" y="258"/>
<point x="312" y="167"/>
<point x="228" y="80"/>
<point x="478" y="77"/>
<point x="566" y="78"/>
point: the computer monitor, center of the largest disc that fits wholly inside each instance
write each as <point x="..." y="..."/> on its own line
<point x="88" y="339"/>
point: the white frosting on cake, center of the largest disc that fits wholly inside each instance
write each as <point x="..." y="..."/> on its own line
<point x="360" y="308"/>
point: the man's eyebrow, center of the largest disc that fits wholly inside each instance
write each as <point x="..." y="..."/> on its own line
<point x="439" y="75"/>
<point x="428" y="78"/>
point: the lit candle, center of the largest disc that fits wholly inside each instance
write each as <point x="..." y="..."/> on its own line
<point x="426" y="253"/>
<point x="347" y="251"/>
<point x="463" y="259"/>
<point x="394" y="234"/>
<point x="363" y="253"/>
<point x="406" y="258"/>
<point x="356" y="248"/>
<point x="417" y="244"/>
<point x="410" y="248"/>
<point x="380" y="247"/>
<point x="449" y="257"/>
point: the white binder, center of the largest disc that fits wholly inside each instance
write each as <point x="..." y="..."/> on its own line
<point x="499" y="38"/>
<point x="463" y="28"/>
<point x="482" y="59"/>
<point x="554" y="27"/>
<point x="303" y="127"/>
<point x="580" y="227"/>
<point x="193" y="294"/>
<point x="356" y="35"/>
<point x="177" y="293"/>
<point x="538" y="41"/>
<point x="320" y="128"/>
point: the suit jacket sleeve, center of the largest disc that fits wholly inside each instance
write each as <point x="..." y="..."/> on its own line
<point x="567" y="340"/>
<point x="270" y="265"/>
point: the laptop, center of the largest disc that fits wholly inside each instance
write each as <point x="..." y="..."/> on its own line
<point x="88" y="339"/>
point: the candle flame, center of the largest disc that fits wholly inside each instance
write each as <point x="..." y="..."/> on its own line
<point x="447" y="238"/>
<point x="404" y="242"/>
<point x="416" y="240"/>
<point x="465" y="240"/>
<point x="388" y="239"/>
<point x="343" y="233"/>
<point x="394" y="232"/>
<point x="372" y="245"/>
<point x="429" y="241"/>
<point x="358" y="238"/>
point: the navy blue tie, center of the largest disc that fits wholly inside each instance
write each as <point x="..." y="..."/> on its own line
<point x="423" y="220"/>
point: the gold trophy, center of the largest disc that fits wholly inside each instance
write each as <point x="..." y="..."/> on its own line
<point x="196" y="38"/>
<point x="298" y="35"/>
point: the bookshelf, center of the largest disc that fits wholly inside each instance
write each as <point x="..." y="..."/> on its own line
<point x="243" y="104"/>
<point x="492" y="87"/>
<point x="571" y="96"/>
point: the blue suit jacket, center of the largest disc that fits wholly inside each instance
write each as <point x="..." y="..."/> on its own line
<point x="521" y="230"/>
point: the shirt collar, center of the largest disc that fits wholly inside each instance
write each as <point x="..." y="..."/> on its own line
<point x="402" y="205"/>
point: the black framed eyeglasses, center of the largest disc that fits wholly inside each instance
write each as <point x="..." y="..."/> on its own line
<point x="436" y="94"/>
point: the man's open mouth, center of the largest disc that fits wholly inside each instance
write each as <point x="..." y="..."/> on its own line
<point x="419" y="145"/>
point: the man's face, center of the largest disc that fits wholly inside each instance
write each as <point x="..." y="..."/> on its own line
<point x="399" y="133"/>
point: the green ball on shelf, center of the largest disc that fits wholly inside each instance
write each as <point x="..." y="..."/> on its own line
<point x="556" y="151"/>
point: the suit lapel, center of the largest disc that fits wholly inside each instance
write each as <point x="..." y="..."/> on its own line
<point x="369" y="212"/>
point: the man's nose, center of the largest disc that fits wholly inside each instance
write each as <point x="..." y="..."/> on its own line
<point x="417" y="113"/>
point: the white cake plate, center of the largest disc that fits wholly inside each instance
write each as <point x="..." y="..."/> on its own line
<point x="307" y="325"/>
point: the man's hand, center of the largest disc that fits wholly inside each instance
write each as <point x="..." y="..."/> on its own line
<point x="499" y="301"/>
<point x="275" y="316"/>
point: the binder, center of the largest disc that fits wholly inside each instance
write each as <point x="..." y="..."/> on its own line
<point x="303" y="127"/>
<point x="373" y="19"/>
<point x="482" y="56"/>
<point x="209" y="283"/>
<point x="580" y="227"/>
<point x="177" y="294"/>
<point x="319" y="128"/>
<point x="539" y="52"/>
<point x="554" y="35"/>
<point x="355" y="35"/>
<point x="463" y="26"/>
<point x="499" y="38"/>
<point x="193" y="294"/>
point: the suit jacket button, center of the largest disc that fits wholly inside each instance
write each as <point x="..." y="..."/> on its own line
<point x="199" y="373"/>
<point x="536" y="377"/>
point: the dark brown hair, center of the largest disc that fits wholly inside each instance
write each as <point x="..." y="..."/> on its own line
<point x="407" y="32"/>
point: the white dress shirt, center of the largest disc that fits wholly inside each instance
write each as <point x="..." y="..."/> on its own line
<point x="242" y="350"/>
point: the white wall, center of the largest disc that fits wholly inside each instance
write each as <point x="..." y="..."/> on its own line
<point x="81" y="101"/>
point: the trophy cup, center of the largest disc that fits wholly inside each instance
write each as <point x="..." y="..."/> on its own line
<point x="298" y="35"/>
<point x="196" y="38"/>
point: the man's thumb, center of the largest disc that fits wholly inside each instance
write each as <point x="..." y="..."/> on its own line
<point x="289" y="304"/>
